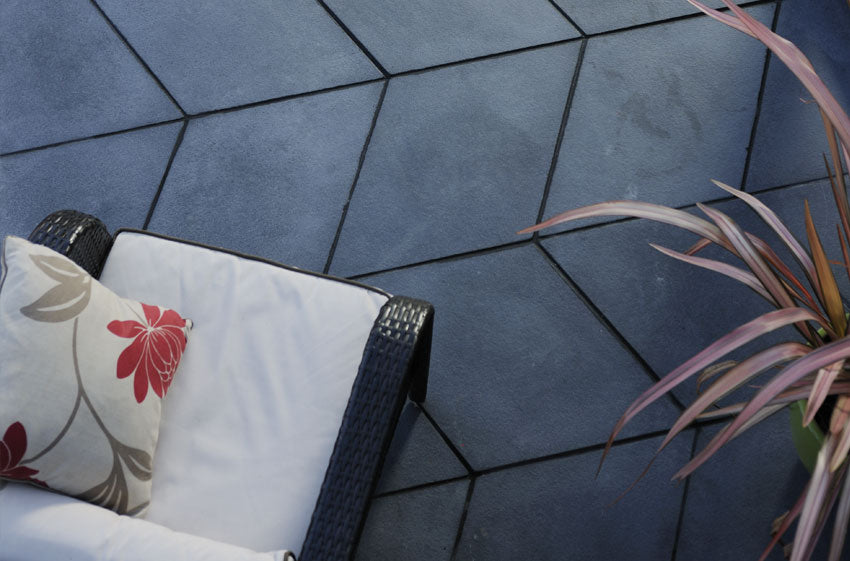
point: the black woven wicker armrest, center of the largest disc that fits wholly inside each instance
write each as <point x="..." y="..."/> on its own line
<point x="395" y="360"/>
<point x="81" y="237"/>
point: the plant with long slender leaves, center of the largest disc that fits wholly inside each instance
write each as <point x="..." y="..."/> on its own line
<point x="816" y="367"/>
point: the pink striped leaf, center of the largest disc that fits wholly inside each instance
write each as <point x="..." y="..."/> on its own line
<point x="816" y="359"/>
<point x="842" y="518"/>
<point x="726" y="269"/>
<point x="772" y="220"/>
<point x="820" y="388"/>
<point x="738" y="337"/>
<point x="797" y="63"/>
<point x="638" y="209"/>
<point x="749" y="254"/>
<point x="733" y="379"/>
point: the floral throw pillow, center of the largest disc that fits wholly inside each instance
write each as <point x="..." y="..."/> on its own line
<point x="82" y="376"/>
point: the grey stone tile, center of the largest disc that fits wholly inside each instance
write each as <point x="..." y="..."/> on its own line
<point x="415" y="526"/>
<point x="735" y="496"/>
<point x="66" y="75"/>
<point x="605" y="15"/>
<point x="669" y="310"/>
<point x="458" y="160"/>
<point x="790" y="137"/>
<point x="417" y="455"/>
<point x="408" y="35"/>
<point x="270" y="180"/>
<point x="212" y="54"/>
<point x="658" y="112"/>
<point x="114" y="177"/>
<point x="558" y="509"/>
<point x="519" y="367"/>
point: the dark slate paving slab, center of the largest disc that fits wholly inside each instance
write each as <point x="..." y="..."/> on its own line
<point x="458" y="160"/>
<point x="790" y="137"/>
<point x="405" y="35"/>
<point x="415" y="526"/>
<point x="519" y="367"/>
<point x="66" y="75"/>
<point x="417" y="454"/>
<point x="271" y="180"/>
<point x="114" y="177"/>
<point x="557" y="510"/>
<point x="670" y="310"/>
<point x="216" y="54"/>
<point x="605" y="15"/>
<point x="734" y="497"/>
<point x="659" y="111"/>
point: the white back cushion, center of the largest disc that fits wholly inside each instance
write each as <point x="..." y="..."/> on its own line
<point x="251" y="418"/>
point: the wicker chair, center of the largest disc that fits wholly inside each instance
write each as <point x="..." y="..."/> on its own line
<point x="394" y="364"/>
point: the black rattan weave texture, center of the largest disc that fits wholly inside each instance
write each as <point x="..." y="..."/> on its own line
<point x="395" y="360"/>
<point x="81" y="237"/>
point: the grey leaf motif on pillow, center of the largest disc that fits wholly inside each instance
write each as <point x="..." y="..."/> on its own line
<point x="65" y="300"/>
<point x="137" y="461"/>
<point x="112" y="492"/>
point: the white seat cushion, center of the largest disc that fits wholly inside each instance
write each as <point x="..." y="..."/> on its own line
<point x="251" y="418"/>
<point x="36" y="525"/>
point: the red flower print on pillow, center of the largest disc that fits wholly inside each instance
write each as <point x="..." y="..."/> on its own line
<point x="12" y="450"/>
<point x="155" y="352"/>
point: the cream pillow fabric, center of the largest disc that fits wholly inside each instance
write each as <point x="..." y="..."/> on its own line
<point x="83" y="373"/>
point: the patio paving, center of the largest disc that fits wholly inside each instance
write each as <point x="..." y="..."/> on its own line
<point x="404" y="144"/>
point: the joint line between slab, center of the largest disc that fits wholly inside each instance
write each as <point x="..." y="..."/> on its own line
<point x="603" y="319"/>
<point x="448" y="441"/>
<point x="567" y="17"/>
<point x="561" y="131"/>
<point x="176" y="147"/>
<point x="354" y="38"/>
<point x="684" y="502"/>
<point x="759" y="100"/>
<point x="354" y="181"/>
<point x="462" y="522"/>
<point x="138" y="56"/>
<point x="674" y="19"/>
<point x="342" y="86"/>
